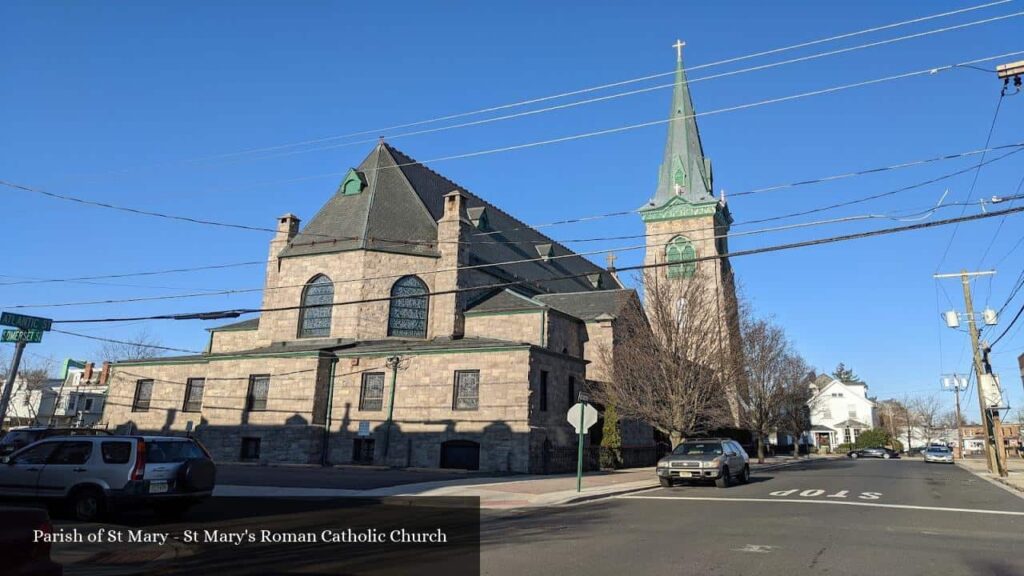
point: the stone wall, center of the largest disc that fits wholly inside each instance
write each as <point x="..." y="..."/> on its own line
<point x="284" y="427"/>
<point x="223" y="341"/>
<point x="424" y="416"/>
<point x="513" y="327"/>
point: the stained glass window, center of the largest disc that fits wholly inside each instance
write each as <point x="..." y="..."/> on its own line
<point x="467" y="390"/>
<point x="259" y="389"/>
<point x="680" y="250"/>
<point x="409" y="305"/>
<point x="315" y="315"/>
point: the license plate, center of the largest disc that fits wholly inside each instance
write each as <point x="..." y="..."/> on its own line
<point x="158" y="487"/>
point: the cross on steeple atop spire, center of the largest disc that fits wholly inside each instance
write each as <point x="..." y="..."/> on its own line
<point x="679" y="50"/>
<point x="684" y="171"/>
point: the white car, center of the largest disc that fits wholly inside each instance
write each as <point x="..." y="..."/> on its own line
<point x="938" y="454"/>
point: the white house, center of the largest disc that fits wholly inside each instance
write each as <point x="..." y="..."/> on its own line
<point x="840" y="411"/>
<point x="76" y="400"/>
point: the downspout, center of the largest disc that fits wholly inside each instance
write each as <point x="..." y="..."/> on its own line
<point x="393" y="362"/>
<point x="326" y="449"/>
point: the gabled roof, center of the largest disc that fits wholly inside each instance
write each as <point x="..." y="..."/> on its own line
<point x="845" y="387"/>
<point x="588" y="306"/>
<point x="398" y="210"/>
<point x="250" y="324"/>
<point x="506" y="301"/>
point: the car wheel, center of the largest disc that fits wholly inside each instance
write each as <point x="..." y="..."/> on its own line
<point x="88" y="504"/>
<point x="724" y="479"/>
<point x="665" y="482"/>
<point x="745" y="475"/>
<point x="886" y="456"/>
<point x="853" y="455"/>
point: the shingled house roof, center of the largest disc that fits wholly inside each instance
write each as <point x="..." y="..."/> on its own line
<point x="250" y="324"/>
<point x="398" y="209"/>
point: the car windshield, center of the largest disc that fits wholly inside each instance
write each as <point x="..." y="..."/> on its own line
<point x="698" y="449"/>
<point x="938" y="450"/>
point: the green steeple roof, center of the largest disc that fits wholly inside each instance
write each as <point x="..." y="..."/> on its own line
<point x="684" y="171"/>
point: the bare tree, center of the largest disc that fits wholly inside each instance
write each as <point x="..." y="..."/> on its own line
<point x="768" y="370"/>
<point x="141" y="346"/>
<point x="797" y="405"/>
<point x="670" y="367"/>
<point x="35" y="371"/>
<point x="926" y="413"/>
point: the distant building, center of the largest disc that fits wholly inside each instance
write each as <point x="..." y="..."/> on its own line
<point x="840" y="411"/>
<point x="75" y="399"/>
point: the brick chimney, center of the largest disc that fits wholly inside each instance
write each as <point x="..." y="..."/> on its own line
<point x="447" y="313"/>
<point x="87" y="374"/>
<point x="104" y="374"/>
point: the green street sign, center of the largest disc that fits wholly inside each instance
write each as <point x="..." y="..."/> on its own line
<point x="25" y="322"/>
<point x="31" y="336"/>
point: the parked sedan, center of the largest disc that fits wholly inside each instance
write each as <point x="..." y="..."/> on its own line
<point x="938" y="454"/>
<point x="873" y="452"/>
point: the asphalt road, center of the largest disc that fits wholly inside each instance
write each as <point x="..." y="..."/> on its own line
<point x="827" y="517"/>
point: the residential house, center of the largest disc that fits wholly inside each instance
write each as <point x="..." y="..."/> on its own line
<point x="840" y="411"/>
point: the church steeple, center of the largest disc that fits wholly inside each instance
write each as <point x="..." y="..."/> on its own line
<point x="684" y="171"/>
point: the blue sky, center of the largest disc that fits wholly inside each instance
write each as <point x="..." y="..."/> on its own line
<point x="114" y="101"/>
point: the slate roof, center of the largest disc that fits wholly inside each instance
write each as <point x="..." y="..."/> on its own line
<point x="851" y="424"/>
<point x="398" y="210"/>
<point x="250" y="324"/>
<point x="589" y="306"/>
<point x="506" y="301"/>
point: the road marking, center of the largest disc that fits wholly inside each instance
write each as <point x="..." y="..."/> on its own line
<point x="755" y="548"/>
<point x="832" y="502"/>
<point x="815" y="492"/>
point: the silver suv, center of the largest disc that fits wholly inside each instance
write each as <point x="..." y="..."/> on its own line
<point x="718" y="459"/>
<point x="99" y="473"/>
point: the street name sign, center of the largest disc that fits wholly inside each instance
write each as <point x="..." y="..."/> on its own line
<point x="25" y="322"/>
<point x="589" y="416"/>
<point x="29" y="336"/>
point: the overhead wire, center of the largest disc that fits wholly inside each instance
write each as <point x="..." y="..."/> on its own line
<point x="832" y="89"/>
<point x="536" y="100"/>
<point x="904" y="216"/>
<point x="234" y="313"/>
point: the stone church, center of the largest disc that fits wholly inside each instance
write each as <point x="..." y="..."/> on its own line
<point x="411" y="322"/>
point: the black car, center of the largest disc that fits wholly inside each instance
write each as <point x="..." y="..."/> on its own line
<point x="18" y="438"/>
<point x="21" y="551"/>
<point x="873" y="452"/>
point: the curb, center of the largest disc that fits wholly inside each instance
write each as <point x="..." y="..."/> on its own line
<point x="995" y="481"/>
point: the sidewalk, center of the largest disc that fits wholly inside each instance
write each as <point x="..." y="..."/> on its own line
<point x="507" y="492"/>
<point x="1014" y="468"/>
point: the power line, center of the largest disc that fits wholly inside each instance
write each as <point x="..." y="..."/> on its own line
<point x="1017" y="147"/>
<point x="380" y="130"/>
<point x="832" y="89"/>
<point x="651" y="88"/>
<point x="974" y="182"/>
<point x="113" y="341"/>
<point x="918" y="214"/>
<point x="234" y="313"/>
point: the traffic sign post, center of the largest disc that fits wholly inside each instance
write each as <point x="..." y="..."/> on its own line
<point x="582" y="416"/>
<point x="30" y="330"/>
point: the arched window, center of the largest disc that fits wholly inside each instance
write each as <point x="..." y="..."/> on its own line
<point x="409" y="304"/>
<point x="315" y="314"/>
<point x="680" y="250"/>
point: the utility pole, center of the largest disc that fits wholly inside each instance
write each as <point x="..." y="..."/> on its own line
<point x="12" y="373"/>
<point x="989" y="417"/>
<point x="957" y="383"/>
